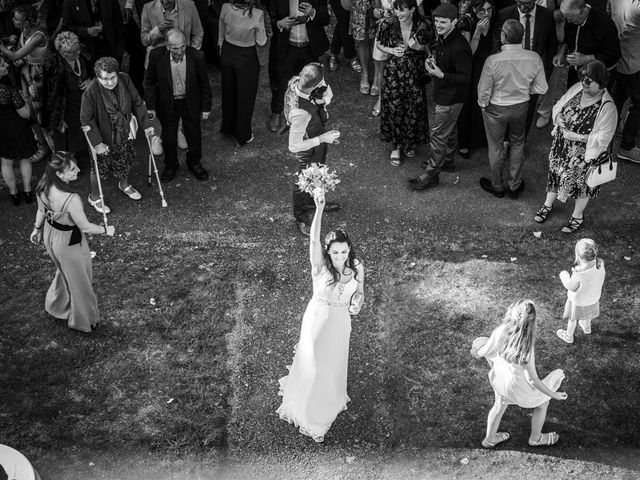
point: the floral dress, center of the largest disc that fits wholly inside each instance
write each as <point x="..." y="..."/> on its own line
<point x="403" y="112"/>
<point x="362" y="23"/>
<point x="567" y="165"/>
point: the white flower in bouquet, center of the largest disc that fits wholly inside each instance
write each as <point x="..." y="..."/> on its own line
<point x="317" y="180"/>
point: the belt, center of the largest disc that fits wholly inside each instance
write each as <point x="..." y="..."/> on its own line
<point x="299" y="44"/>
<point x="76" y="234"/>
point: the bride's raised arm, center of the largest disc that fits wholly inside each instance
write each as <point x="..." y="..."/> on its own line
<point x="315" y="245"/>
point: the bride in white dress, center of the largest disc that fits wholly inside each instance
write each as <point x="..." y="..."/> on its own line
<point x="315" y="391"/>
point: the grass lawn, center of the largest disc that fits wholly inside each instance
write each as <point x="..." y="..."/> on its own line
<point x="201" y="306"/>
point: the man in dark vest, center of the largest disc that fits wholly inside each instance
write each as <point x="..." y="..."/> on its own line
<point x="304" y="109"/>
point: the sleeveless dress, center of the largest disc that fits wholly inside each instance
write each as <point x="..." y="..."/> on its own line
<point x="315" y="391"/>
<point x="70" y="296"/>
<point x="567" y="165"/>
<point x="509" y="381"/>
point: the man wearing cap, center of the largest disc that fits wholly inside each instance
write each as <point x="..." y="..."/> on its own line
<point x="509" y="81"/>
<point x="450" y="69"/>
<point x="305" y="100"/>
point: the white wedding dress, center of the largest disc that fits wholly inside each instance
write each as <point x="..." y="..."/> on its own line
<point x="315" y="391"/>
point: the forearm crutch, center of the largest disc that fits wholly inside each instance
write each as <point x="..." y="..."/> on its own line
<point x="94" y="156"/>
<point x="152" y="160"/>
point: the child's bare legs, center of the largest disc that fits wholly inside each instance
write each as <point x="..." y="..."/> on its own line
<point x="585" y="325"/>
<point x="537" y="421"/>
<point x="493" y="421"/>
<point x="567" y="335"/>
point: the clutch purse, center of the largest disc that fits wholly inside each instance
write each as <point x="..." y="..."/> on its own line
<point x="602" y="171"/>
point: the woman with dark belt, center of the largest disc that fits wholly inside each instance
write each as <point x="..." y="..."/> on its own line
<point x="61" y="214"/>
<point x="242" y="26"/>
<point x="108" y="105"/>
<point x="67" y="76"/>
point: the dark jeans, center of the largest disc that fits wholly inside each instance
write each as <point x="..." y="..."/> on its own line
<point x="289" y="66"/>
<point x="303" y="202"/>
<point x="240" y="70"/>
<point x="444" y="136"/>
<point x="628" y="86"/>
<point x="341" y="38"/>
<point x="497" y="121"/>
<point x="192" y="132"/>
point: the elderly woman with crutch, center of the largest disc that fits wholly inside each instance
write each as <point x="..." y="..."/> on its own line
<point x="62" y="224"/>
<point x="110" y="113"/>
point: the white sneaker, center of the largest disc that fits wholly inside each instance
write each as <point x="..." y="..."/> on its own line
<point x="130" y="192"/>
<point x="585" y="325"/>
<point x="562" y="334"/>
<point x="632" y="155"/>
<point x="97" y="204"/>
<point x="182" y="141"/>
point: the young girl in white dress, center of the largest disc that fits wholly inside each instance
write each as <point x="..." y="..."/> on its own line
<point x="584" y="287"/>
<point x="315" y="391"/>
<point x="510" y="352"/>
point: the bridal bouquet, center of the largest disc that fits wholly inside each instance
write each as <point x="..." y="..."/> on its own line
<point x="316" y="180"/>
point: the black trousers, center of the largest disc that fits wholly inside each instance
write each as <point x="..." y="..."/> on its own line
<point x="628" y="86"/>
<point x="302" y="201"/>
<point x="137" y="54"/>
<point x="192" y="132"/>
<point x="341" y="38"/>
<point x="273" y="68"/>
<point x="289" y="66"/>
<point x="240" y="70"/>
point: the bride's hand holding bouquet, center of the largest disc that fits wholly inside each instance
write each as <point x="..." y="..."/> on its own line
<point x="317" y="180"/>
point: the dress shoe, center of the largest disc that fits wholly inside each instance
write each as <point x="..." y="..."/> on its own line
<point x="517" y="191"/>
<point x="199" y="172"/>
<point x="304" y="228"/>
<point x="99" y="206"/>
<point x="169" y="174"/>
<point x="485" y="184"/>
<point x="543" y="120"/>
<point x="275" y="122"/>
<point x="446" y="167"/>
<point x="464" y="153"/>
<point x="423" y="182"/>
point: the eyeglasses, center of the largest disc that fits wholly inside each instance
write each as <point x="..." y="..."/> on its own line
<point x="485" y="10"/>
<point x="586" y="80"/>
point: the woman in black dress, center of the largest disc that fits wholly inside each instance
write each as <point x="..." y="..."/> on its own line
<point x="67" y="76"/>
<point x="477" y="26"/>
<point x="16" y="138"/>
<point x="403" y="113"/>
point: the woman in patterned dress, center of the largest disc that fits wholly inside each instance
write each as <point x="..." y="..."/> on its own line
<point x="362" y="27"/>
<point x="30" y="53"/>
<point x="403" y="112"/>
<point x="585" y="120"/>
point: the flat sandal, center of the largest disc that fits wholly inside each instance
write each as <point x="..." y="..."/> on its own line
<point x="542" y="214"/>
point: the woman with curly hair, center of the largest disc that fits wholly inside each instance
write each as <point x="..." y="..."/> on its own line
<point x="29" y="54"/>
<point x="67" y="76"/>
<point x="315" y="391"/>
<point x="242" y="27"/>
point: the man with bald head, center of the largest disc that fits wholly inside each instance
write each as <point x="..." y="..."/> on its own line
<point x="177" y="87"/>
<point x="305" y="102"/>
<point x="589" y="34"/>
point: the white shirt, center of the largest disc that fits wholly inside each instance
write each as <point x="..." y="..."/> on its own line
<point x="532" y="21"/>
<point x="299" y="120"/>
<point x="298" y="33"/>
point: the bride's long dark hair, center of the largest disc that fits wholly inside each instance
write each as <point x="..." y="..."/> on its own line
<point x="338" y="236"/>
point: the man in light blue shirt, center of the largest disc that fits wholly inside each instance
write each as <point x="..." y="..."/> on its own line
<point x="509" y="79"/>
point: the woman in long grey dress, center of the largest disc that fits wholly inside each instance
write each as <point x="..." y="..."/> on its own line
<point x="62" y="224"/>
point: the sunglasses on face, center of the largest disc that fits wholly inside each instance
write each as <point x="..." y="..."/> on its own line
<point x="586" y="80"/>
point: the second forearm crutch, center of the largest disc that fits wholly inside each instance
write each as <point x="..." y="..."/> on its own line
<point x="94" y="156"/>
<point x="152" y="160"/>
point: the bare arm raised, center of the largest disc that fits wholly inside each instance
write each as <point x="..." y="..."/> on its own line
<point x="315" y="245"/>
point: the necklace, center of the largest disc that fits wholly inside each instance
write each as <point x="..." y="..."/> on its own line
<point x="79" y="72"/>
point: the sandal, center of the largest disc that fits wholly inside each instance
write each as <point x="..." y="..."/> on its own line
<point x="501" y="437"/>
<point x="364" y="86"/>
<point x="542" y="214"/>
<point x="395" y="158"/>
<point x="573" y="225"/>
<point x="375" y="91"/>
<point x="355" y="64"/>
<point x="375" y="112"/>
<point x="546" y="439"/>
<point x="333" y="63"/>
<point x="410" y="153"/>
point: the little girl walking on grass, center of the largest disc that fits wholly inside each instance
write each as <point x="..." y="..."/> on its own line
<point x="584" y="287"/>
<point x="511" y="354"/>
